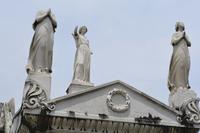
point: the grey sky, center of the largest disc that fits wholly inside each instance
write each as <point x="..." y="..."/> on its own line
<point x="130" y="40"/>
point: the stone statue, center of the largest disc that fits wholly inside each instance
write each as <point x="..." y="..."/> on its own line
<point x="181" y="97"/>
<point x="82" y="57"/>
<point x="7" y="111"/>
<point x="38" y="83"/>
<point x="41" y="49"/>
<point x="180" y="60"/>
<point x="2" y="119"/>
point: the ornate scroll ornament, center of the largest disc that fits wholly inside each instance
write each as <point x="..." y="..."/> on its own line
<point x="118" y="107"/>
<point x="37" y="98"/>
<point x="190" y="112"/>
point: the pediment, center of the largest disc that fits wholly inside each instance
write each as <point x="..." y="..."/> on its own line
<point x="115" y="101"/>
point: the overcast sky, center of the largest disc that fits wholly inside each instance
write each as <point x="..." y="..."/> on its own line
<point x="130" y="40"/>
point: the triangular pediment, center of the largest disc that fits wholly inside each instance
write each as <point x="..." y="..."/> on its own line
<point x="114" y="101"/>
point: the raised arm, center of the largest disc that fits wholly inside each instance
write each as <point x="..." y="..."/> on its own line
<point x="76" y="36"/>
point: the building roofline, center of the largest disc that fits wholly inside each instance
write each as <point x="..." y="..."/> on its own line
<point x="91" y="89"/>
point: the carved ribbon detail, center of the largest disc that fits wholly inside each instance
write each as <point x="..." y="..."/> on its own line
<point x="36" y="97"/>
<point x="190" y="112"/>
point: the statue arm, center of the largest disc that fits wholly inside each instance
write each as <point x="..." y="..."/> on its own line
<point x="39" y="18"/>
<point x="76" y="35"/>
<point x="187" y="40"/>
<point x="176" y="38"/>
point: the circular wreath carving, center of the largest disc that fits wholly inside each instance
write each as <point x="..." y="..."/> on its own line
<point x="118" y="107"/>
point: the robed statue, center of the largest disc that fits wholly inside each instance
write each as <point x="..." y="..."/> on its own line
<point x="41" y="49"/>
<point x="180" y="60"/>
<point x="82" y="58"/>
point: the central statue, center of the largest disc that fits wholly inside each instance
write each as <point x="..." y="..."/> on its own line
<point x="82" y="58"/>
<point x="180" y="60"/>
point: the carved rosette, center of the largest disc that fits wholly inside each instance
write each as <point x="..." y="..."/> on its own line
<point x="118" y="107"/>
<point x="36" y="98"/>
<point x="190" y="112"/>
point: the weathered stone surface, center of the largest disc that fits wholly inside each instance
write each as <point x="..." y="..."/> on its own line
<point x="114" y="107"/>
<point x="182" y="95"/>
<point x="8" y="118"/>
<point x="75" y="87"/>
<point x="37" y="92"/>
<point x="63" y="124"/>
<point x="7" y="111"/>
<point x="41" y="50"/>
<point x="180" y="61"/>
<point x="38" y="83"/>
<point x="2" y="119"/>
<point x="190" y="112"/>
<point x="128" y="104"/>
<point x="43" y="80"/>
<point x="121" y="97"/>
<point x="82" y="58"/>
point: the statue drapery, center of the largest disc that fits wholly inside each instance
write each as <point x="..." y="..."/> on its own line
<point x="41" y="49"/>
<point x="180" y="60"/>
<point x="82" y="58"/>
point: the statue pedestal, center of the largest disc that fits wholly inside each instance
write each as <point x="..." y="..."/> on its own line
<point x="181" y="96"/>
<point x="77" y="87"/>
<point x="41" y="79"/>
<point x="187" y="103"/>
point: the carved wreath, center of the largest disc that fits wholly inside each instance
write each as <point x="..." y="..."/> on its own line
<point x="118" y="107"/>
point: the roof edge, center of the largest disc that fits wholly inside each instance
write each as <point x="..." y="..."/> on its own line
<point x="111" y="83"/>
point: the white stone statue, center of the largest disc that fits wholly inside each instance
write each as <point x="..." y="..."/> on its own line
<point x="180" y="60"/>
<point x="82" y="58"/>
<point x="41" y="50"/>
<point x="2" y="119"/>
<point x="7" y="111"/>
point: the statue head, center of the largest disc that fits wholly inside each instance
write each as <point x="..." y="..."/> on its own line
<point x="83" y="30"/>
<point x="180" y="26"/>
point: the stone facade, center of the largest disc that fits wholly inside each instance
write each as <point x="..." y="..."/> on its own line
<point x="108" y="108"/>
<point x="113" y="107"/>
